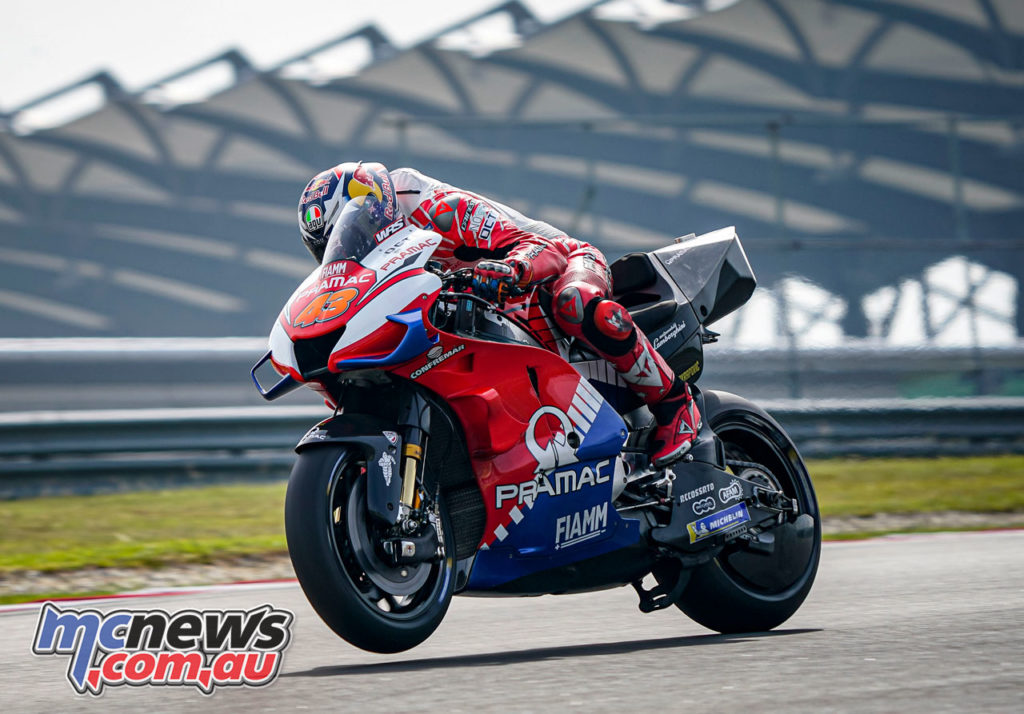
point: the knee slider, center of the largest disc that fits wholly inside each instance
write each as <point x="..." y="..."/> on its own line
<point x="609" y="327"/>
<point x="612" y="320"/>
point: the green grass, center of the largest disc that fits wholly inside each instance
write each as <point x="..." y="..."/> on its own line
<point x="862" y="535"/>
<point x="846" y="487"/>
<point x="141" y="529"/>
<point x="6" y="599"/>
<point x="205" y="524"/>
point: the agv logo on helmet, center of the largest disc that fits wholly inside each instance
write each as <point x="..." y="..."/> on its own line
<point x="314" y="218"/>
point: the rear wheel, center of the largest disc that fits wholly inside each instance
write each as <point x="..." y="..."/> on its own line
<point x="334" y="548"/>
<point x="740" y="590"/>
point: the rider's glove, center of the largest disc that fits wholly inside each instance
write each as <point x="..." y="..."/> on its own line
<point x="494" y="280"/>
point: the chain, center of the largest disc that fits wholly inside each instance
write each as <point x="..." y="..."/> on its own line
<point x="745" y="464"/>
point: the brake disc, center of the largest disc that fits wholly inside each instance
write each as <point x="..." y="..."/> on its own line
<point x="397" y="580"/>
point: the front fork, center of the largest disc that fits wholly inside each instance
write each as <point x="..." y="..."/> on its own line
<point x="415" y="543"/>
<point x="414" y="418"/>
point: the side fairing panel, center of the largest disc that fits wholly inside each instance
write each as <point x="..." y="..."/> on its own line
<point x="544" y="445"/>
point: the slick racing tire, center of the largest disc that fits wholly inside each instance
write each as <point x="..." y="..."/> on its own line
<point x="333" y="545"/>
<point x="741" y="591"/>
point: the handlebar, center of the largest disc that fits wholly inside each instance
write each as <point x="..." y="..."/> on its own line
<point x="462" y="280"/>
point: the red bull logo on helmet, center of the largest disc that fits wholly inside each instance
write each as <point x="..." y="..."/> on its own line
<point x="362" y="183"/>
<point x="319" y="187"/>
<point x="357" y="180"/>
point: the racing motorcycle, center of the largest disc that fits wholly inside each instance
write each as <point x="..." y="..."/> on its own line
<point x="475" y="449"/>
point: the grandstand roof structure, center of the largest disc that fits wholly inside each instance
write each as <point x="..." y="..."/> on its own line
<point x="854" y="143"/>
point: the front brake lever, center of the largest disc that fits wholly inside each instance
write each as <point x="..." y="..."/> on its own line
<point x="458" y="279"/>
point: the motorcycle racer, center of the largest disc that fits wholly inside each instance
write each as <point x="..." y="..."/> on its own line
<point x="508" y="251"/>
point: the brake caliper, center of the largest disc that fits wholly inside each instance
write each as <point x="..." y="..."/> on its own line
<point x="421" y="538"/>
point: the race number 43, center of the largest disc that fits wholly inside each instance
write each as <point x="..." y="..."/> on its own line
<point x="326" y="306"/>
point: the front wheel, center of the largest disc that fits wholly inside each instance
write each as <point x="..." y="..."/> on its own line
<point x="744" y="591"/>
<point x="333" y="545"/>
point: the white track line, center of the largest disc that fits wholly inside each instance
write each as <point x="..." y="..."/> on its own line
<point x="158" y="592"/>
<point x="291" y="582"/>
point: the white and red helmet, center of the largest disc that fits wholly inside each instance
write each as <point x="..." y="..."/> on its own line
<point x="328" y="192"/>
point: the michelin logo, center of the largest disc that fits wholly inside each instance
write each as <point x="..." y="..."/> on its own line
<point x="717" y="522"/>
<point x="387" y="462"/>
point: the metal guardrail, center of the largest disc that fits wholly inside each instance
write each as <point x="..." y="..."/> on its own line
<point x="79" y="350"/>
<point x="903" y="427"/>
<point x="54" y="452"/>
<point x="92" y="451"/>
<point x="118" y="373"/>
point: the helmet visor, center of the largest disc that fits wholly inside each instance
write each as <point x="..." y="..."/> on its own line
<point x="354" y="234"/>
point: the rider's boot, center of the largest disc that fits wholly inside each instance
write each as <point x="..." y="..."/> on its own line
<point x="678" y="422"/>
<point x="647" y="374"/>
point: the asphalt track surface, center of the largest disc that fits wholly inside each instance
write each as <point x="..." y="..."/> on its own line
<point x="903" y="624"/>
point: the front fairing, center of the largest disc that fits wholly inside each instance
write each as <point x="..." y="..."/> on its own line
<point x="355" y="302"/>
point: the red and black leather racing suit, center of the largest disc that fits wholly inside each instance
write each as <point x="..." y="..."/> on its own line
<point x="477" y="229"/>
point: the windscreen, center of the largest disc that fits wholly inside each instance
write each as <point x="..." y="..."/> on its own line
<point x="354" y="233"/>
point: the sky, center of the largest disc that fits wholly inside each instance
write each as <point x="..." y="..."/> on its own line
<point x="46" y="46"/>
